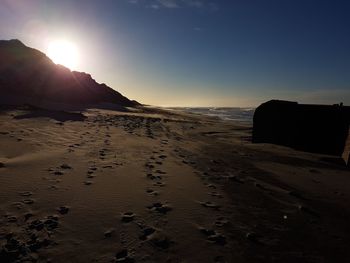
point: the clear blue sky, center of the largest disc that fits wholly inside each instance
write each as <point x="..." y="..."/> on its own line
<point x="197" y="52"/>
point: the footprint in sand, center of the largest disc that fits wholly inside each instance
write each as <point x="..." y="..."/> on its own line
<point x="253" y="237"/>
<point x="63" y="210"/>
<point x="164" y="142"/>
<point x="160" y="172"/>
<point x="124" y="256"/>
<point x="27" y="216"/>
<point x="221" y="221"/>
<point x="11" y="219"/>
<point x="215" y="194"/>
<point x="108" y="233"/>
<point x="235" y="178"/>
<point x="146" y="232"/>
<point x="160" y="240"/>
<point x="213" y="236"/>
<point x="149" y="165"/>
<point x="160" y="208"/>
<point x="128" y="217"/>
<point x="28" y="201"/>
<point x="88" y="182"/>
<point x="91" y="169"/>
<point x="210" y="205"/>
<point x="160" y="184"/>
<point x="152" y="192"/>
<point x="25" y="193"/>
<point x="65" y="166"/>
<point x="211" y="186"/>
<point x="154" y="177"/>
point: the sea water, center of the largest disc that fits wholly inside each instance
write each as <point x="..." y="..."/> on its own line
<point x="244" y="115"/>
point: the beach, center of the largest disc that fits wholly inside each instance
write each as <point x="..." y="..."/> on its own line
<point x="154" y="185"/>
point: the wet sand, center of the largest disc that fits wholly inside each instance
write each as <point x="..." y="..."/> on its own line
<point x="160" y="186"/>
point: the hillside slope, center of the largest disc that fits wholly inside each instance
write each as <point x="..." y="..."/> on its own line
<point x="29" y="76"/>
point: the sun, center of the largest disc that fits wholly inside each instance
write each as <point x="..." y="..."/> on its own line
<point x="63" y="52"/>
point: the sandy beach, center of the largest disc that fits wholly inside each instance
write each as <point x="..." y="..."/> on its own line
<point x="150" y="185"/>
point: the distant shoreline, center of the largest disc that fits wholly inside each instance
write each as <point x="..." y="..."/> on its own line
<point x="235" y="114"/>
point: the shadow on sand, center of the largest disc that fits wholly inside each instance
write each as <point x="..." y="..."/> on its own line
<point x="61" y="116"/>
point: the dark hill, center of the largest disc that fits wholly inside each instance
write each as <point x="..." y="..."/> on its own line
<point x="28" y="76"/>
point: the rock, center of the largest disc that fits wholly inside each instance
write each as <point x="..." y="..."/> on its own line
<point x="313" y="128"/>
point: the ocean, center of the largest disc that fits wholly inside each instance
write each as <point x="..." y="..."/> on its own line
<point x="243" y="115"/>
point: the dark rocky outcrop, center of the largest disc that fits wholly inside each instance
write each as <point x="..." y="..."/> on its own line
<point x="28" y="76"/>
<point x="313" y="128"/>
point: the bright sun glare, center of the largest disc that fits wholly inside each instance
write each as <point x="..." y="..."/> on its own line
<point x="64" y="53"/>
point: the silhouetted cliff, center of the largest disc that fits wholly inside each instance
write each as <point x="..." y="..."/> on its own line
<point x="29" y="76"/>
<point x="313" y="128"/>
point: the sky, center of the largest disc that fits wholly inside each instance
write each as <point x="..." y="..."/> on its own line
<point x="236" y="53"/>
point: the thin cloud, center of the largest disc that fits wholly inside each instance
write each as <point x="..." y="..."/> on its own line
<point x="174" y="4"/>
<point x="168" y="3"/>
<point x="194" y="3"/>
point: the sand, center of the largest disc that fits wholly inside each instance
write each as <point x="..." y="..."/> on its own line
<point x="150" y="185"/>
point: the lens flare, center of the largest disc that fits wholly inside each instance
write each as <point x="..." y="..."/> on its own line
<point x="64" y="53"/>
